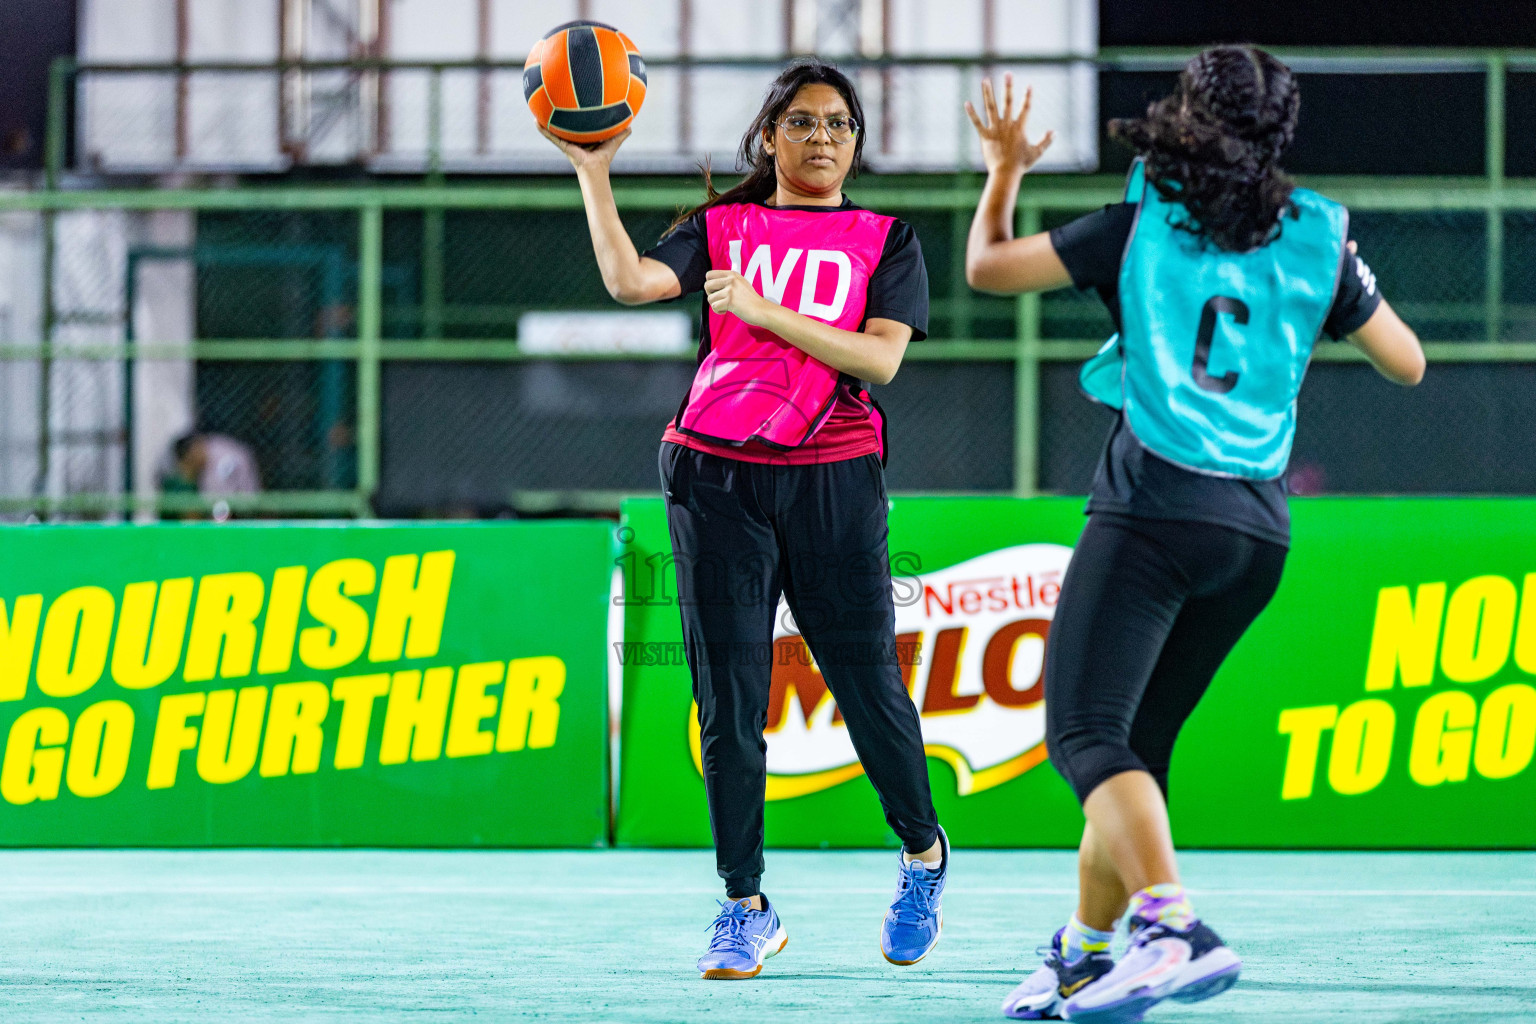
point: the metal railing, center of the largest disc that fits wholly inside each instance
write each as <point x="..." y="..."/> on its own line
<point x="1028" y="350"/>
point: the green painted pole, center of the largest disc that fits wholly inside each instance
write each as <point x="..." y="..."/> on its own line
<point x="960" y="308"/>
<point x="1026" y="376"/>
<point x="432" y="216"/>
<point x="435" y="121"/>
<point x="370" y="301"/>
<point x="53" y="164"/>
<point x="432" y="272"/>
<point x="45" y="366"/>
<point x="53" y="142"/>
<point x="1493" y="281"/>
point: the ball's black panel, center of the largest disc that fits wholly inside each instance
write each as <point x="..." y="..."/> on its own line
<point x="532" y="78"/>
<point x="594" y="119"/>
<point x="637" y="67"/>
<point x="586" y="61"/>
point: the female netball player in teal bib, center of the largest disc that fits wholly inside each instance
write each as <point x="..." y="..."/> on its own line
<point x="1220" y="276"/>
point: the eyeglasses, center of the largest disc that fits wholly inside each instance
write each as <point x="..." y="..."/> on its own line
<point x="800" y="127"/>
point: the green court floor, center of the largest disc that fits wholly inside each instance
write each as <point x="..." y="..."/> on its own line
<point x="611" y="936"/>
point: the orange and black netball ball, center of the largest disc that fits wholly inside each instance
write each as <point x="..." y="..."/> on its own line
<point x="584" y="81"/>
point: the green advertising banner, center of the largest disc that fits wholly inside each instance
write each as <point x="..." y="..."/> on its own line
<point x="1384" y="699"/>
<point x="283" y="684"/>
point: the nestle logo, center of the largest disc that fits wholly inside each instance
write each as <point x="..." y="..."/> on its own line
<point x="993" y="594"/>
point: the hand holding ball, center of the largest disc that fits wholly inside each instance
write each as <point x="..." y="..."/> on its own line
<point x="584" y="82"/>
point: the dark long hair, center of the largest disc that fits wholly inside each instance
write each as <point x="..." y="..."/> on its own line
<point x="1214" y="144"/>
<point x="762" y="178"/>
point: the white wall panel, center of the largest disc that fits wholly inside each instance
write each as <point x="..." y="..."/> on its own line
<point x="127" y="120"/>
<point x="21" y="285"/>
<point x="164" y="311"/>
<point x="921" y="27"/>
<point x="232" y="120"/>
<point x="737" y="29"/>
<point x="408" y="114"/>
<point x="516" y="24"/>
<point x="1046" y="26"/>
<point x="656" y="127"/>
<point x="653" y="26"/>
<point x="725" y="100"/>
<point x="231" y="30"/>
<point x="86" y="396"/>
<point x="929" y="129"/>
<point x="433" y="29"/>
<point x="127" y="30"/>
<point x="914" y="116"/>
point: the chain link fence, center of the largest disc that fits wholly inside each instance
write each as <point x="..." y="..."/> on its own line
<point x="355" y="369"/>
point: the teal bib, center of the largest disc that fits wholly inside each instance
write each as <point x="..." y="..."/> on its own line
<point x="1213" y="345"/>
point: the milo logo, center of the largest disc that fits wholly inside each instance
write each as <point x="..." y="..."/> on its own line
<point x="970" y="641"/>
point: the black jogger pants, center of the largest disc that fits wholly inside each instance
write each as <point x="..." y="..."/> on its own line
<point x="742" y="533"/>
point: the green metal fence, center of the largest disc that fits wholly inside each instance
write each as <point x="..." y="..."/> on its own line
<point x="310" y="300"/>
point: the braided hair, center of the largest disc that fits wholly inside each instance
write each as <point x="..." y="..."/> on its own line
<point x="1214" y="144"/>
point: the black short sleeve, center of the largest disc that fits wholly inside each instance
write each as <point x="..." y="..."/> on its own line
<point x="1091" y="245"/>
<point x="898" y="289"/>
<point x="686" y="251"/>
<point x="1355" y="299"/>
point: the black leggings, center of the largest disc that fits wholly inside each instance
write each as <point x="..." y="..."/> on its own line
<point x="742" y="533"/>
<point x="1149" y="610"/>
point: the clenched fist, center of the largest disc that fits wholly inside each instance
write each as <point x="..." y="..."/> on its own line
<point x="729" y="292"/>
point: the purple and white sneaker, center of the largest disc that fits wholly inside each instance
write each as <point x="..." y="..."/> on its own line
<point x="743" y="938"/>
<point x="1162" y="963"/>
<point x="1039" y="996"/>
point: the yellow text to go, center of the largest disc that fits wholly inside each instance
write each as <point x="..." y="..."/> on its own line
<point x="1452" y="735"/>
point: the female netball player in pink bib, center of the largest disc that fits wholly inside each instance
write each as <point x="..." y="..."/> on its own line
<point x="774" y="479"/>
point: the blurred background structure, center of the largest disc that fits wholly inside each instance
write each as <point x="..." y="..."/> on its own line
<point x="327" y="232"/>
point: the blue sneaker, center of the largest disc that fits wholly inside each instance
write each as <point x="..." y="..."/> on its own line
<point x="743" y="939"/>
<point x="916" y="917"/>
<point x="1162" y="963"/>
<point x="1041" y="995"/>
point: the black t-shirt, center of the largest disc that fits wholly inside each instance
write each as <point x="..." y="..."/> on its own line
<point x="898" y="289"/>
<point x="1134" y="481"/>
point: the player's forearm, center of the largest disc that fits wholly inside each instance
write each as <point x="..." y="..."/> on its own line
<point x="617" y="257"/>
<point x="870" y="357"/>
<point x="991" y="227"/>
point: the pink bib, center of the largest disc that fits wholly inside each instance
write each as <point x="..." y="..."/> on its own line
<point x="751" y="385"/>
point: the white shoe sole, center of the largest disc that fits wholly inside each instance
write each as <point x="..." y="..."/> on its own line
<point x="1137" y="994"/>
<point x="1048" y="1010"/>
<point x="1196" y="980"/>
<point x="1211" y="975"/>
<point x="774" y="947"/>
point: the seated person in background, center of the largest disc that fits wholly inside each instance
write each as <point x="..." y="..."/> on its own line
<point x="213" y="465"/>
